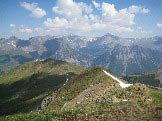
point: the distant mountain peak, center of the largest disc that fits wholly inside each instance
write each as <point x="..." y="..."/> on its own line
<point x="13" y="38"/>
<point x="110" y="35"/>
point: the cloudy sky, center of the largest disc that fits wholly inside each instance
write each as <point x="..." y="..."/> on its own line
<point x="125" y="18"/>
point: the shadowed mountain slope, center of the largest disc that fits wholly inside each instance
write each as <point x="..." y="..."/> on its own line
<point x="23" y="88"/>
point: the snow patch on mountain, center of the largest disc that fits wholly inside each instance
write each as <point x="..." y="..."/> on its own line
<point x="122" y="84"/>
<point x="13" y="44"/>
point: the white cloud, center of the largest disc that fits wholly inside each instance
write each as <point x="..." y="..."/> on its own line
<point x="28" y="6"/>
<point x="68" y="8"/>
<point x="77" y="15"/>
<point x="36" y="11"/>
<point x="94" y="18"/>
<point x="85" y="8"/>
<point x="122" y="17"/>
<point x="111" y="16"/>
<point x="145" y="10"/>
<point x="80" y="18"/>
<point x="139" y="28"/>
<point x="71" y="9"/>
<point x="159" y="25"/>
<point x="56" y="23"/>
<point x="138" y="9"/>
<point x="25" y="29"/>
<point x="96" y="5"/>
<point x="38" y="29"/>
<point x="108" y="9"/>
<point x="12" y="25"/>
<point x="134" y="9"/>
<point x="124" y="30"/>
<point x="98" y="26"/>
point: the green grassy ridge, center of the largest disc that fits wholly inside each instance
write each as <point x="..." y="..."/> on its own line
<point x="78" y="84"/>
<point x="23" y="88"/>
<point x="48" y="66"/>
<point x="91" y="77"/>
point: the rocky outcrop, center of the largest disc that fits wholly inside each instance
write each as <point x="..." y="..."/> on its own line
<point x="46" y="102"/>
<point x="91" y="94"/>
<point x="137" y="92"/>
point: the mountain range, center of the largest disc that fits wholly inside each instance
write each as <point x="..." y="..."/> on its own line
<point x="121" y="55"/>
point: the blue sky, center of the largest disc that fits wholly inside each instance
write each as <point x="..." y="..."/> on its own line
<point x="126" y="18"/>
